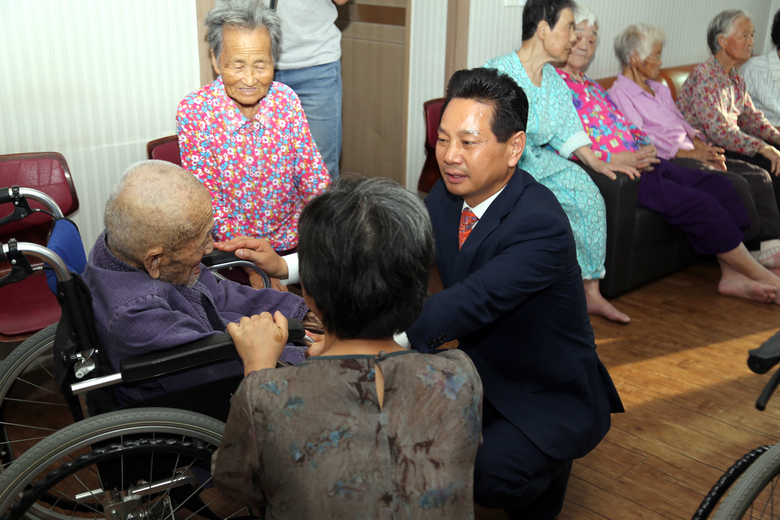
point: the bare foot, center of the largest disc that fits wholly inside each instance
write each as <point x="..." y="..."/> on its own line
<point x="599" y="306"/>
<point x="739" y="285"/>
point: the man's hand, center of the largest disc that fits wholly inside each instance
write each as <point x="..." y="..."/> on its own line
<point x="259" y="252"/>
<point x="771" y="153"/>
<point x="259" y="340"/>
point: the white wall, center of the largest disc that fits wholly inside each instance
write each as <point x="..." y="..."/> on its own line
<point x="493" y="30"/>
<point x="94" y="80"/>
<point x="496" y="30"/>
<point x="767" y="44"/>
<point x="427" y="49"/>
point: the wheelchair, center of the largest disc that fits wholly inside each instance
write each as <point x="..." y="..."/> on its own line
<point x="749" y="488"/>
<point x="144" y="460"/>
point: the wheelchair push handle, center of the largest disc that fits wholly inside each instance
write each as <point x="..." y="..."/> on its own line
<point x="760" y="361"/>
<point x="763" y="358"/>
<point x="19" y="197"/>
<point x="224" y="259"/>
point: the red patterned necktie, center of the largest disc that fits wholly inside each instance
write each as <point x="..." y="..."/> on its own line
<point x="467" y="221"/>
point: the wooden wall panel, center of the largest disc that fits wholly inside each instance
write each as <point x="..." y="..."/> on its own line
<point x="457" y="37"/>
<point x="374" y="71"/>
<point x="373" y="61"/>
<point x="207" y="74"/>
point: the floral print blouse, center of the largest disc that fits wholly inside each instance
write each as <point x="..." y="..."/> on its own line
<point x="310" y="441"/>
<point x="609" y="131"/>
<point x="261" y="172"/>
<point x="718" y="105"/>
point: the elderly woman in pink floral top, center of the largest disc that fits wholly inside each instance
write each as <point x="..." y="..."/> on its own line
<point x="715" y="101"/>
<point x="245" y="136"/>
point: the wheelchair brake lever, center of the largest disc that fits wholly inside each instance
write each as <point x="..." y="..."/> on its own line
<point x="20" y="265"/>
<point x="769" y="389"/>
<point x="21" y="207"/>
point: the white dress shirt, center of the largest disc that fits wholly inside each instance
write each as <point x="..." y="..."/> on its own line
<point x="762" y="76"/>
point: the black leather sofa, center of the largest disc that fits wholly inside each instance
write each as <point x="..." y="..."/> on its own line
<point x="641" y="245"/>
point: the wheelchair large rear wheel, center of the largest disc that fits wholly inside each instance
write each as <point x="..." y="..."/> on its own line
<point x="145" y="463"/>
<point x="756" y="495"/>
<point x="31" y="404"/>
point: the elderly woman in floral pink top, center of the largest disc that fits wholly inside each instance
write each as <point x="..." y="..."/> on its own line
<point x="715" y="101"/>
<point x="245" y="136"/>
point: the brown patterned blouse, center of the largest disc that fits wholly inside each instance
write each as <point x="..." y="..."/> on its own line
<point x="718" y="105"/>
<point x="310" y="441"/>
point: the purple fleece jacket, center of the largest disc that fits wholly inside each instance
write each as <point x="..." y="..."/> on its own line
<point x="136" y="314"/>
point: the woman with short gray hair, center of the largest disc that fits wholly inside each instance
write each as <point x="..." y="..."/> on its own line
<point x="637" y="41"/>
<point x="245" y="136"/>
<point x="555" y="133"/>
<point x="715" y="101"/>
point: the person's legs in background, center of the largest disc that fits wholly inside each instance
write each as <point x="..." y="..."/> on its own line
<point x="762" y="162"/>
<point x="319" y="89"/>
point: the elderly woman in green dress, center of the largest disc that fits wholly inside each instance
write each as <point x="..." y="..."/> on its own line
<point x="548" y="36"/>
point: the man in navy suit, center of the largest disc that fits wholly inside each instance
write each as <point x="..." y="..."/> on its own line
<point x="513" y="297"/>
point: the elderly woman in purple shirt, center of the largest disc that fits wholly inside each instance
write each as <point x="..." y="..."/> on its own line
<point x="648" y="104"/>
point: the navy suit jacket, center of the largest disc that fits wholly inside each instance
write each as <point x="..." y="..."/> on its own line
<point x="513" y="297"/>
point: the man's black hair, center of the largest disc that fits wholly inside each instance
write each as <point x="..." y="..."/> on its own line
<point x="488" y="86"/>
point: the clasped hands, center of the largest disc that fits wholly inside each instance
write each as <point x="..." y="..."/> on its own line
<point x="642" y="160"/>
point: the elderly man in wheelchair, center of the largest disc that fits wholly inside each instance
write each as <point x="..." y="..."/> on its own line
<point x="149" y="288"/>
<point x="151" y="319"/>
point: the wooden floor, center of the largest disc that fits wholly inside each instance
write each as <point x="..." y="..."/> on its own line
<point x="680" y="368"/>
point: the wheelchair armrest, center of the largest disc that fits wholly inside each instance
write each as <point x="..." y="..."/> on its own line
<point x="223" y="259"/>
<point x="196" y="353"/>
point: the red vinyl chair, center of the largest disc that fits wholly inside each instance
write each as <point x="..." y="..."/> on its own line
<point x="430" y="172"/>
<point x="29" y="306"/>
<point x="164" y="149"/>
